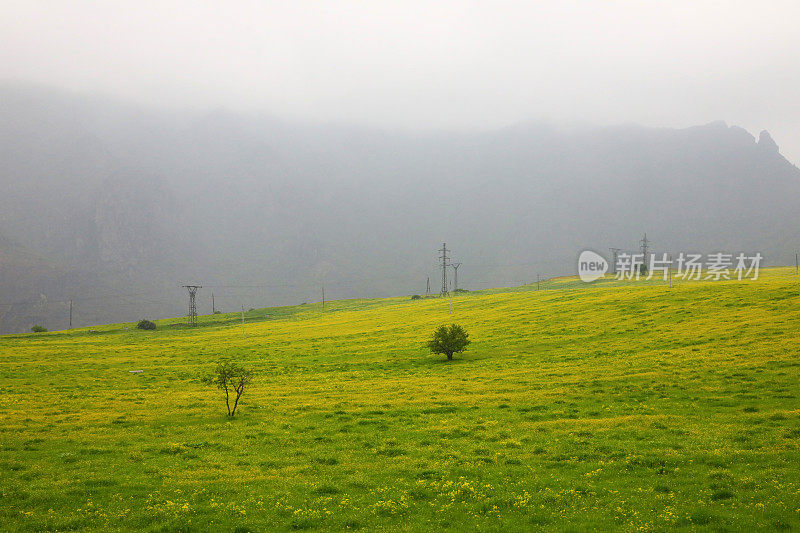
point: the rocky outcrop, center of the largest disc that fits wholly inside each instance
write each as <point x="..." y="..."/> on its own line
<point x="766" y="142"/>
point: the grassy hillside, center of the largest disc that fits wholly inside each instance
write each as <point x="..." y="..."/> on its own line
<point x="616" y="406"/>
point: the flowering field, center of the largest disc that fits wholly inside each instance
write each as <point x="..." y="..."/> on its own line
<point x="610" y="406"/>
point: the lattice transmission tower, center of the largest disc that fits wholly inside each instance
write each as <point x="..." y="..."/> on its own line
<point x="445" y="264"/>
<point x="645" y="247"/>
<point x="192" y="305"/>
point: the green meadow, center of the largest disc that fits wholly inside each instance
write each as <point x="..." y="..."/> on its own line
<point x="614" y="406"/>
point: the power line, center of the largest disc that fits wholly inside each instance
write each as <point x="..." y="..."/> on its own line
<point x="145" y="297"/>
<point x="140" y="300"/>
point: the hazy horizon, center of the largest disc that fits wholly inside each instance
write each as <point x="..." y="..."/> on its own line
<point x="290" y="144"/>
<point x="454" y="66"/>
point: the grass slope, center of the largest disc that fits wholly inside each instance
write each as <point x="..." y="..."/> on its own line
<point x="616" y="406"/>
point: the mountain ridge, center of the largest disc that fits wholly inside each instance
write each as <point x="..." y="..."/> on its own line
<point x="145" y="201"/>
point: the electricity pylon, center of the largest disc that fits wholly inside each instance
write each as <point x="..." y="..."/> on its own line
<point x="445" y="264"/>
<point x="455" y="275"/>
<point x="192" y="305"/>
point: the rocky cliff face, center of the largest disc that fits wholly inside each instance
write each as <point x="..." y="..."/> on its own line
<point x="134" y="219"/>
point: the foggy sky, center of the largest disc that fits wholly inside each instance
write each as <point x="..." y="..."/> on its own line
<point x="426" y="65"/>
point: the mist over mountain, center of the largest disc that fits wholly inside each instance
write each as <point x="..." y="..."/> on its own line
<point x="115" y="206"/>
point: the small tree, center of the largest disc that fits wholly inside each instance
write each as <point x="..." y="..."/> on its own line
<point x="38" y="329"/>
<point x="449" y="340"/>
<point x="231" y="378"/>
<point x="146" y="324"/>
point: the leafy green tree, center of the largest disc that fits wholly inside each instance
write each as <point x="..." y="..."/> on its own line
<point x="38" y="329"/>
<point x="232" y="379"/>
<point x="448" y="340"/>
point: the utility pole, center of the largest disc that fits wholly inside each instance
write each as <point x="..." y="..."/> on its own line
<point x="455" y="276"/>
<point x="70" y="314"/>
<point x="192" y="305"/>
<point x="614" y="253"/>
<point x="645" y="247"/>
<point x="796" y="265"/>
<point x="445" y="264"/>
<point x="213" y="306"/>
<point x="537" y="282"/>
<point x="323" y="298"/>
<point x="428" y="288"/>
<point x="242" y="322"/>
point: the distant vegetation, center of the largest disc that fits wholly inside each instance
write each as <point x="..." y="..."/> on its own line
<point x="146" y="324"/>
<point x="38" y="329"/>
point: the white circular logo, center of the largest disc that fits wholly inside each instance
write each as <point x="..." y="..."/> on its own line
<point x="591" y="266"/>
